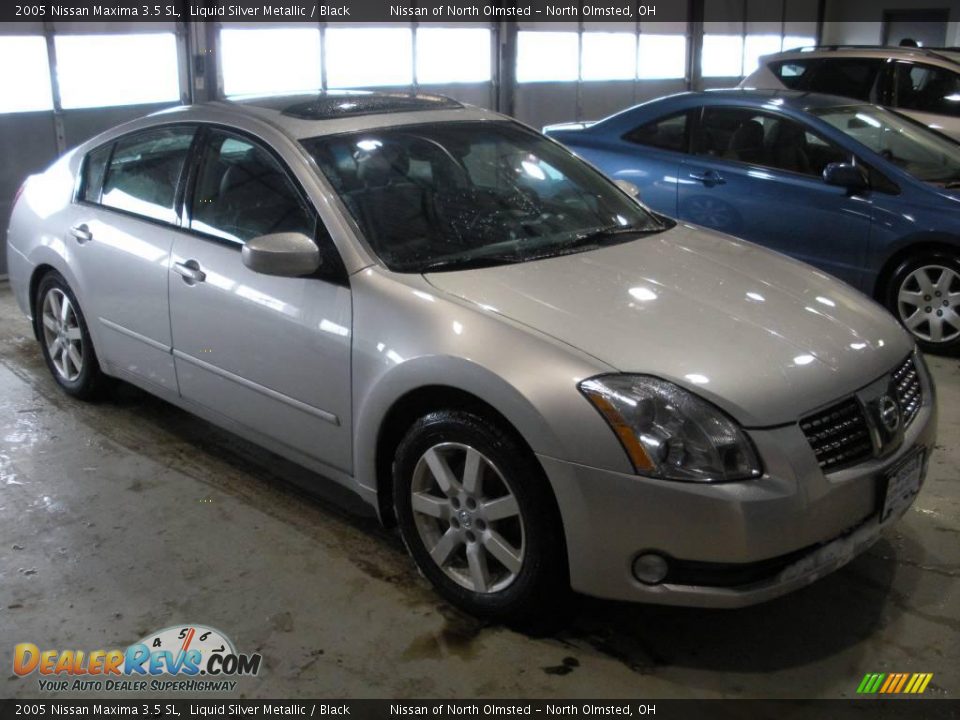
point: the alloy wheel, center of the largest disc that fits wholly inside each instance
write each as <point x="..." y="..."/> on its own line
<point x="928" y="303"/>
<point x="468" y="517"/>
<point x="62" y="335"/>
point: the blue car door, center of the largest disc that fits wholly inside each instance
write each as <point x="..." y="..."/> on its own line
<point x="758" y="175"/>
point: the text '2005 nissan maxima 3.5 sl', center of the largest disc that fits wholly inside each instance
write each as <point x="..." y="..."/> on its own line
<point x="544" y="384"/>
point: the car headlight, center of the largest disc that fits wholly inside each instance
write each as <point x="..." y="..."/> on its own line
<point x="671" y="433"/>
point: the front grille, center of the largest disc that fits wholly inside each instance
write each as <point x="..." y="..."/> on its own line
<point x="909" y="391"/>
<point x="838" y="435"/>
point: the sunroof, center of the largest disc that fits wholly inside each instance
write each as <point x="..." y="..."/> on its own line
<point x="325" y="106"/>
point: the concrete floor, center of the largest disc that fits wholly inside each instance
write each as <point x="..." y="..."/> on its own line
<point x="128" y="516"/>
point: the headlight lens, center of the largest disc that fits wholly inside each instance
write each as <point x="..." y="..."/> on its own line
<point x="671" y="433"/>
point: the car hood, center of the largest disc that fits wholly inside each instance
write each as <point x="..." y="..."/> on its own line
<point x="765" y="337"/>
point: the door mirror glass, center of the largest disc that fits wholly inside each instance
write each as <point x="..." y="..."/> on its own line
<point x="287" y="254"/>
<point x="629" y="188"/>
<point x="845" y="175"/>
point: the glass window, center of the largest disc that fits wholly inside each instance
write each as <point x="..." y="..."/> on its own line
<point x="27" y="88"/>
<point x="926" y="88"/>
<point x="666" y="134"/>
<point x="767" y="140"/>
<point x="793" y="73"/>
<point x="547" y="57"/>
<point x="93" y="170"/>
<point x="608" y="56"/>
<point x="242" y="192"/>
<point x="468" y="194"/>
<point x="144" y="172"/>
<point x="847" y="77"/>
<point x="103" y="70"/>
<point x="453" y="55"/>
<point x="755" y="47"/>
<point x="722" y="56"/>
<point x="369" y="57"/>
<point x="270" y="60"/>
<point x="661" y="56"/>
<point x="907" y="144"/>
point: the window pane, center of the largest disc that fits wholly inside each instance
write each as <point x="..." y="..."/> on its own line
<point x="927" y="89"/>
<point x="368" y="57"/>
<point x="547" y="56"/>
<point x="27" y="89"/>
<point x="722" y="56"/>
<point x="101" y="70"/>
<point x="608" y="56"/>
<point x="757" y="46"/>
<point x="661" y="56"/>
<point x="144" y="171"/>
<point x="666" y="134"/>
<point x="93" y="169"/>
<point x="794" y="74"/>
<point x="453" y="55"/>
<point x="242" y="192"/>
<point x="847" y="77"/>
<point x="274" y="60"/>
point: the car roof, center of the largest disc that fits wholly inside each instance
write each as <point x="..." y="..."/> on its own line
<point x="794" y="99"/>
<point x="326" y="113"/>
<point x="942" y="56"/>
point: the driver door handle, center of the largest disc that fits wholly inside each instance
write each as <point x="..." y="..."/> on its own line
<point x="81" y="233"/>
<point x="190" y="272"/>
<point x="708" y="177"/>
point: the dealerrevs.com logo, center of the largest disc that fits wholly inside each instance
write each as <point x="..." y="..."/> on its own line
<point x="187" y="658"/>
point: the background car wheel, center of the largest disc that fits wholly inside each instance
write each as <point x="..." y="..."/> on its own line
<point x="65" y="340"/>
<point x="924" y="294"/>
<point x="480" y="520"/>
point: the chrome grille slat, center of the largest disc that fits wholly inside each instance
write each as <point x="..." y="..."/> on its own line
<point x="909" y="391"/>
<point x="839" y="435"/>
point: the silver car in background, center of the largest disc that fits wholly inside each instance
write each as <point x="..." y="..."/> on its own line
<point x="544" y="384"/>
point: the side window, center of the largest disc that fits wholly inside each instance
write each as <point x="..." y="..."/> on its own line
<point x="666" y="134"/>
<point x="847" y="77"/>
<point x="144" y="170"/>
<point x="767" y="140"/>
<point x="792" y="73"/>
<point x="94" y="166"/>
<point x="927" y="89"/>
<point x="242" y="192"/>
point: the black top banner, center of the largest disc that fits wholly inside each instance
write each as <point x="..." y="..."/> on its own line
<point x="425" y="11"/>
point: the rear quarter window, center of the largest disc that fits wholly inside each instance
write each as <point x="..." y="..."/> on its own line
<point x="94" y="166"/>
<point x="791" y="72"/>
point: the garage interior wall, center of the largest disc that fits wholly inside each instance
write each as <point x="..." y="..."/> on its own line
<point x="539" y="72"/>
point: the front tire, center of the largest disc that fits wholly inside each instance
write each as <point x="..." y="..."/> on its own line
<point x="65" y="340"/>
<point x="924" y="295"/>
<point x="480" y="520"/>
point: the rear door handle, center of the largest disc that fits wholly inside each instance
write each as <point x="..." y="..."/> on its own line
<point x="708" y="178"/>
<point x="81" y="233"/>
<point x="190" y="272"/>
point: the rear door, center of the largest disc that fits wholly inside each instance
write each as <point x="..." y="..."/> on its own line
<point x="758" y="175"/>
<point x="270" y="353"/>
<point x="928" y="93"/>
<point x="123" y="229"/>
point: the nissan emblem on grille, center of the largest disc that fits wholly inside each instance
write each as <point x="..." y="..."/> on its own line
<point x="889" y="413"/>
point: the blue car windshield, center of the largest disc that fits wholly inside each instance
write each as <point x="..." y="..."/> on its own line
<point x="453" y="195"/>
<point x="909" y="145"/>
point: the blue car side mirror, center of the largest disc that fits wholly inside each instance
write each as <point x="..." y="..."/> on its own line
<point x="845" y="175"/>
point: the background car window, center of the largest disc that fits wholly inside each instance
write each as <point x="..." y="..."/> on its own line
<point x="242" y="192"/>
<point x="94" y="166"/>
<point x="791" y="72"/>
<point x="927" y="89"/>
<point x="758" y="138"/>
<point x="847" y="77"/>
<point x="666" y="134"/>
<point x="144" y="171"/>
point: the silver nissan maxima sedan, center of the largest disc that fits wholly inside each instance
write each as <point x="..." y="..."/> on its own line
<point x="544" y="384"/>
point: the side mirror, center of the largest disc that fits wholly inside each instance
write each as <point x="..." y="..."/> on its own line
<point x="846" y="175"/>
<point x="629" y="188"/>
<point x="286" y="254"/>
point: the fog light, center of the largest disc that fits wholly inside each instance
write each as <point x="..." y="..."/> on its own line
<point x="650" y="569"/>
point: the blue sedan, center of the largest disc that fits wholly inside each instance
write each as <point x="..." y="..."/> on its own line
<point x="862" y="192"/>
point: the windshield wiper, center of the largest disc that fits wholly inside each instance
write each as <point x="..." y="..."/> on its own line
<point x="470" y="263"/>
<point x="609" y="231"/>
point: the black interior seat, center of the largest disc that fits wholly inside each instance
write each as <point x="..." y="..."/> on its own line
<point x="787" y="147"/>
<point x="746" y="143"/>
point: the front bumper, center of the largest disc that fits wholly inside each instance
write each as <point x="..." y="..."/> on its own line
<point x="770" y="536"/>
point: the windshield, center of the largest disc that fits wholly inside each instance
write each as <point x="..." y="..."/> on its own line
<point x="452" y="195"/>
<point x="908" y="145"/>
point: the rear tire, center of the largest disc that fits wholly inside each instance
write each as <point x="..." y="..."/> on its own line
<point x="480" y="520"/>
<point x="65" y="340"/>
<point x="924" y="295"/>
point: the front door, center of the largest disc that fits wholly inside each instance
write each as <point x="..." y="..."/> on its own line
<point x="758" y="176"/>
<point x="270" y="353"/>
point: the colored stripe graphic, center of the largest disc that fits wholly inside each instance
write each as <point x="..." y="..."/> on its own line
<point x="894" y="683"/>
